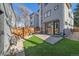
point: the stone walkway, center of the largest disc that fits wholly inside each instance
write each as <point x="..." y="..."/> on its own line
<point x="48" y="38"/>
<point x="74" y="36"/>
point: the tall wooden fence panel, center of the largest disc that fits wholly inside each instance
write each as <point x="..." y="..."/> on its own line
<point x="76" y="29"/>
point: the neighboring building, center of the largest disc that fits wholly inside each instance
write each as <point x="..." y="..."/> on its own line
<point x="6" y="19"/>
<point x="20" y="21"/>
<point x="26" y="19"/>
<point x="34" y="20"/>
<point x="56" y="18"/>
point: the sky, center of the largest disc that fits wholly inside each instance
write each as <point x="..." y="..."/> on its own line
<point x="33" y="7"/>
<point x="74" y="6"/>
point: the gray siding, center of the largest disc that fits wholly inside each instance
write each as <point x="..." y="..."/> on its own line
<point x="55" y="14"/>
<point x="34" y="20"/>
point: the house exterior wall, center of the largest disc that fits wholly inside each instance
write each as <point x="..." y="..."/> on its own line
<point x="55" y="14"/>
<point x="68" y="20"/>
<point x="40" y="17"/>
<point x="10" y="16"/>
<point x="60" y="13"/>
<point x="27" y="21"/>
<point x="1" y="34"/>
<point x="34" y="22"/>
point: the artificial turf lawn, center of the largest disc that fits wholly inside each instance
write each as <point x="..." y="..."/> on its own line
<point x="35" y="46"/>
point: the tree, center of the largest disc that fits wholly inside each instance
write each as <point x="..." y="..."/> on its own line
<point x="76" y="16"/>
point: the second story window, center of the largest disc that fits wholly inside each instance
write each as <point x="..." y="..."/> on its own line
<point x="69" y="14"/>
<point x="1" y="12"/>
<point x="47" y="14"/>
<point x="56" y="7"/>
<point x="45" y="4"/>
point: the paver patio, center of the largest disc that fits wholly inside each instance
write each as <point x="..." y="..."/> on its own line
<point x="49" y="38"/>
<point x="74" y="36"/>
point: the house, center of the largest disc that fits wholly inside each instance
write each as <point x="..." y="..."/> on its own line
<point x="7" y="20"/>
<point x="34" y="20"/>
<point x="20" y="21"/>
<point x="56" y="18"/>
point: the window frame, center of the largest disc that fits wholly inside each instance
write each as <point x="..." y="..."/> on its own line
<point x="47" y="14"/>
<point x="56" y="7"/>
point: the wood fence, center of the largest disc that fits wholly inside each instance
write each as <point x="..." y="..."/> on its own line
<point x="76" y="29"/>
<point x="22" y="32"/>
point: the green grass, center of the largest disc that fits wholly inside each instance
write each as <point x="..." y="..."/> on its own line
<point x="35" y="46"/>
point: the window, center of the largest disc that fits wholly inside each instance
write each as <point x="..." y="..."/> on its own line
<point x="69" y="14"/>
<point x="31" y="22"/>
<point x="66" y="23"/>
<point x="45" y="4"/>
<point x="56" y="7"/>
<point x="47" y="14"/>
<point x="1" y="12"/>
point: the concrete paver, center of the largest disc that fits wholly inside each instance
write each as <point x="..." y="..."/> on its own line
<point x="49" y="38"/>
<point x="74" y="36"/>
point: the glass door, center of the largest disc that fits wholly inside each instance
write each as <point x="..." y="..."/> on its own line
<point x="56" y="27"/>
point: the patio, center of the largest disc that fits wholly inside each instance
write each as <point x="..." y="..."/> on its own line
<point x="74" y="36"/>
<point x="49" y="38"/>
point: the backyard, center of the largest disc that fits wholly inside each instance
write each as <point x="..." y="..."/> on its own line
<point x="35" y="46"/>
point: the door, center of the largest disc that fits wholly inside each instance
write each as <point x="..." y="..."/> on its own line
<point x="56" y="27"/>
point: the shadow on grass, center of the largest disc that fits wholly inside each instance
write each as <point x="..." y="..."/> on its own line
<point x="62" y="48"/>
<point x="39" y="49"/>
<point x="32" y="42"/>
